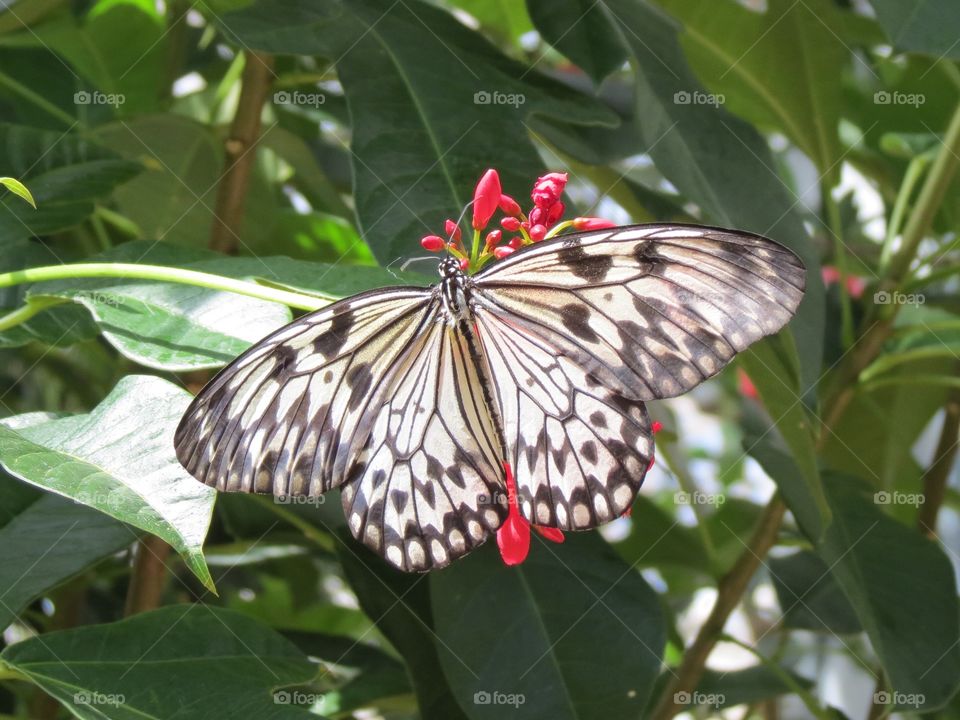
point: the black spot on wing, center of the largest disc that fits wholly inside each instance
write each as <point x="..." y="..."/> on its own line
<point x="576" y="319"/>
<point x="330" y="343"/>
<point x="592" y="268"/>
<point x="589" y="451"/>
<point x="359" y="379"/>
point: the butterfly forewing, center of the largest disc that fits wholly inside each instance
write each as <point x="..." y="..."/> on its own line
<point x="285" y="417"/>
<point x="649" y="311"/>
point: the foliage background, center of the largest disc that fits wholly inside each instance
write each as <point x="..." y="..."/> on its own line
<point x="292" y="151"/>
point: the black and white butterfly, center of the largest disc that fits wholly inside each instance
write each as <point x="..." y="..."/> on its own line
<point x="411" y="400"/>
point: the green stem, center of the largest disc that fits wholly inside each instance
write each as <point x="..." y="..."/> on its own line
<point x="931" y="195"/>
<point x="914" y="173"/>
<point x="22" y="314"/>
<point x="168" y="274"/>
<point x="840" y="255"/>
<point x="8" y="673"/>
<point x="805" y="696"/>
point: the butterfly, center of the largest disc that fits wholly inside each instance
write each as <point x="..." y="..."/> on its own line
<point x="416" y="401"/>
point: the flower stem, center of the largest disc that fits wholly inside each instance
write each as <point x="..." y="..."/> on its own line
<point x="183" y="276"/>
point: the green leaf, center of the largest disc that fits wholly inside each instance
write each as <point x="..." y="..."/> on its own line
<point x="925" y="26"/>
<point x="901" y="586"/>
<point x="772" y="370"/>
<point x="120" y="47"/>
<point x="574" y="27"/>
<point x="180" y="327"/>
<point x="508" y="18"/>
<point x="809" y="596"/>
<point x="780" y="68"/>
<point x="184" y="661"/>
<point x="507" y="632"/>
<point x="45" y="540"/>
<point x="421" y="137"/>
<point x="399" y="603"/>
<point x="18" y="188"/>
<point x="747" y="687"/>
<point x="66" y="175"/>
<point x="715" y="159"/>
<point x="119" y="460"/>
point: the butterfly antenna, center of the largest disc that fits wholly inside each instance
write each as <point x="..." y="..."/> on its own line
<point x="459" y="220"/>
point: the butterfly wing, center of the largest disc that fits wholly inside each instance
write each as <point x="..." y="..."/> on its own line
<point x="649" y="310"/>
<point x="428" y="486"/>
<point x="287" y="416"/>
<point x="580" y="330"/>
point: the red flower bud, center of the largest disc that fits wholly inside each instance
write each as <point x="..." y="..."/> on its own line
<point x="509" y="206"/>
<point x="433" y="243"/>
<point x="554" y="213"/>
<point x="493" y="238"/>
<point x="592" y="223"/>
<point x="537" y="216"/>
<point x="515" y="242"/>
<point x="656" y="427"/>
<point x="537" y="232"/>
<point x="510" y="224"/>
<point x="486" y="199"/>
<point x="464" y="264"/>
<point x="550" y="533"/>
<point x="452" y="230"/>
<point x="548" y="189"/>
<point x="501" y="252"/>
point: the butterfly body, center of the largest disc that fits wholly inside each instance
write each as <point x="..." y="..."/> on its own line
<point x="412" y="400"/>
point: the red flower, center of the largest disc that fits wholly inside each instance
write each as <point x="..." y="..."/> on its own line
<point x="513" y="537"/>
<point x="509" y="206"/>
<point x="548" y="189"/>
<point x="510" y="224"/>
<point x="592" y="223"/>
<point x="855" y="284"/>
<point x="745" y="385"/>
<point x="433" y="243"/>
<point x="452" y="230"/>
<point x="537" y="232"/>
<point x="486" y="199"/>
<point x="493" y="238"/>
<point x="501" y="252"/>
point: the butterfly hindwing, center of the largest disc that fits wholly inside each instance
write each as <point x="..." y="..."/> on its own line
<point x="428" y="486"/>
<point x="579" y="451"/>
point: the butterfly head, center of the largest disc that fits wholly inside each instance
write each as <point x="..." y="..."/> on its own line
<point x="449" y="268"/>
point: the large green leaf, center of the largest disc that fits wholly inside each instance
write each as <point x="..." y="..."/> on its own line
<point x="781" y="68"/>
<point x="184" y="661"/>
<point x="508" y="637"/>
<point x="120" y="47"/>
<point x="903" y="589"/>
<point x="45" y="540"/>
<point x="573" y="28"/>
<point x="422" y="132"/>
<point x="809" y="596"/>
<point x="119" y="460"/>
<point x="926" y="26"/>
<point x="399" y="603"/>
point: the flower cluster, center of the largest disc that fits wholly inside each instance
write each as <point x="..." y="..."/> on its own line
<point x="542" y="222"/>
